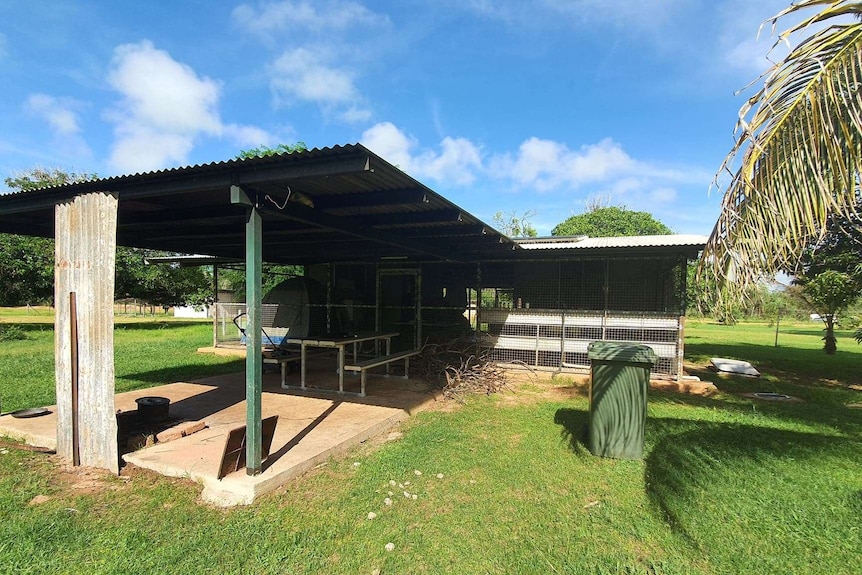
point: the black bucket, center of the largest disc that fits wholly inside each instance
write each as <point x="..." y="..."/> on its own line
<point x="153" y="409"/>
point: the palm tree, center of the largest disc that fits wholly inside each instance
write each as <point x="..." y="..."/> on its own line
<point x="798" y="152"/>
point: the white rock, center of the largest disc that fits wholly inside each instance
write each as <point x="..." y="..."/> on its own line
<point x="407" y="495"/>
<point x="440" y="476"/>
<point x="389" y="493"/>
<point x="417" y="473"/>
<point x="400" y="486"/>
<point x="472" y="481"/>
<point x="356" y="464"/>
<point x="414" y="496"/>
<point x="392" y="482"/>
<point x="387" y="501"/>
<point x="390" y="546"/>
<point x="406" y="483"/>
<point x="372" y="515"/>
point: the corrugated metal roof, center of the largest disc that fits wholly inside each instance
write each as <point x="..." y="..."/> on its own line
<point x="356" y="206"/>
<point x="586" y="243"/>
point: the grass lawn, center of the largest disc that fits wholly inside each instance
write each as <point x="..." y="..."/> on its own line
<point x="728" y="484"/>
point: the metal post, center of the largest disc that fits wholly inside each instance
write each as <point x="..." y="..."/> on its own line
<point x="253" y="358"/>
<point x="215" y="305"/>
<point x="73" y="325"/>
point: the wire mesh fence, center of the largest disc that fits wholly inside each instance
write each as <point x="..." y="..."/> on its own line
<point x="542" y="314"/>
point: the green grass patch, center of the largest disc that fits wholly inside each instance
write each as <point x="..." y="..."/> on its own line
<point x="728" y="484"/>
<point x="146" y="354"/>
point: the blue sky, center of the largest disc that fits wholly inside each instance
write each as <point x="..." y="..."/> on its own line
<point x="498" y="105"/>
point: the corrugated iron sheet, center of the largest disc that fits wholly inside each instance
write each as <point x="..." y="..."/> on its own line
<point x="586" y="243"/>
<point x="84" y="264"/>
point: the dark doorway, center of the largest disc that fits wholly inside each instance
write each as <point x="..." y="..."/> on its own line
<point x="398" y="306"/>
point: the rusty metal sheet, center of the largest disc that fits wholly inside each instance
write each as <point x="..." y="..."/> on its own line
<point x="86" y="230"/>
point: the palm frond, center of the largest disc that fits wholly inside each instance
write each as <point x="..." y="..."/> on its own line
<point x="798" y="149"/>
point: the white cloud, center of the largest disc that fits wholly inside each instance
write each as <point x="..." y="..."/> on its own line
<point x="61" y="115"/>
<point x="457" y="161"/>
<point x="250" y="136"/>
<point x="539" y="165"/>
<point x="302" y="75"/>
<point x="390" y="143"/>
<point x="356" y="115"/>
<point x="327" y="16"/>
<point x="546" y="165"/>
<point x="58" y="112"/>
<point x="162" y="93"/>
<point x="164" y="108"/>
<point x="663" y="195"/>
<point x="329" y="42"/>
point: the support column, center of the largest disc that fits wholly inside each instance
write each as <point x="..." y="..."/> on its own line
<point x="85" y="252"/>
<point x="253" y="359"/>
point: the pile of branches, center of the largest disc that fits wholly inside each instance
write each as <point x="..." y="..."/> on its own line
<point x="459" y="367"/>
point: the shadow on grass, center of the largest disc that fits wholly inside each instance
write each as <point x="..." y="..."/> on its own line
<point x="182" y="373"/>
<point x="725" y="461"/>
<point x="818" y="408"/>
<point x="30" y="327"/>
<point x="574" y="428"/>
<point x="790" y="364"/>
<point x="153" y="325"/>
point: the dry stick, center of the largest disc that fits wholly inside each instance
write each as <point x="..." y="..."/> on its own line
<point x="460" y="370"/>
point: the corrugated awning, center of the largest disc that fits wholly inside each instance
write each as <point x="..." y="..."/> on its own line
<point x="323" y="205"/>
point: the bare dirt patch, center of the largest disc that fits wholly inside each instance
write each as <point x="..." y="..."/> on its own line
<point x="83" y="480"/>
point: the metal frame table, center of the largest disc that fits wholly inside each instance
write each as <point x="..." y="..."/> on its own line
<point x="340" y="343"/>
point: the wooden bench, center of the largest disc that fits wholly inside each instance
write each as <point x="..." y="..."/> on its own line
<point x="363" y="366"/>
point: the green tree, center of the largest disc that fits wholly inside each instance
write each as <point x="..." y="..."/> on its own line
<point x="602" y="222"/>
<point x="262" y="151"/>
<point x="829" y="293"/>
<point x="40" y="177"/>
<point x="26" y="270"/>
<point x="797" y="156"/>
<point x="839" y="248"/>
<point x="27" y="263"/>
<point x="270" y="276"/>
<point x="164" y="285"/>
<point x="516" y="225"/>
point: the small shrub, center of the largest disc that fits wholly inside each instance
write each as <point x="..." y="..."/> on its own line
<point x="11" y="332"/>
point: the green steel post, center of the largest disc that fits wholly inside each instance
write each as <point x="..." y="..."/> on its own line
<point x="253" y="359"/>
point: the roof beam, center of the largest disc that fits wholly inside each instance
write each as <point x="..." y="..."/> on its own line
<point x="462" y="230"/>
<point x="407" y="197"/>
<point x="410" y="219"/>
<point x="313" y="216"/>
<point x="171" y="217"/>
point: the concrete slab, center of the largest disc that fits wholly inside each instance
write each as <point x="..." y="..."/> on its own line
<point x="313" y="426"/>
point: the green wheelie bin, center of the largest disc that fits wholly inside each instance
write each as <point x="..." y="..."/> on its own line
<point x="619" y="379"/>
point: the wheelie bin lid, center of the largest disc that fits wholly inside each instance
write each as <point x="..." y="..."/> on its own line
<point x="622" y="352"/>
